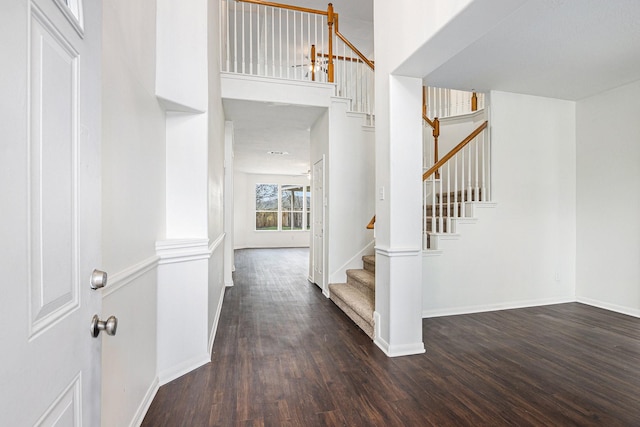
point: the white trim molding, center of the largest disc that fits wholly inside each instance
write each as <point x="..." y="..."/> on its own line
<point x="394" y="350"/>
<point x="397" y="252"/>
<point x="216" y="243"/>
<point x="183" y="368"/>
<point x="145" y="403"/>
<point x="454" y="311"/>
<point x="629" y="311"/>
<point x="216" y="319"/>
<point x="182" y="250"/>
<point x="128" y="275"/>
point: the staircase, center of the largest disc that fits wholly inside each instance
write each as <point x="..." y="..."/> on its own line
<point x="357" y="297"/>
<point x="441" y="218"/>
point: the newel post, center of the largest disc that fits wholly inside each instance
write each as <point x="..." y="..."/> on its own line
<point x="436" y="134"/>
<point x="313" y="62"/>
<point x="330" y="20"/>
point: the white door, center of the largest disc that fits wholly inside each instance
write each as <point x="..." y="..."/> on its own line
<point x="49" y="212"/>
<point x="317" y="196"/>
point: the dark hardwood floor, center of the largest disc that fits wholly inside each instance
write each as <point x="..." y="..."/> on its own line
<point x="284" y="355"/>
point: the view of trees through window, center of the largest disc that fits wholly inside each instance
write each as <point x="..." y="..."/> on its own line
<point x="283" y="207"/>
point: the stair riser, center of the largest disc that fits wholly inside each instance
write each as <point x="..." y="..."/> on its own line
<point x="365" y="324"/>
<point x="370" y="267"/>
<point x="363" y="286"/>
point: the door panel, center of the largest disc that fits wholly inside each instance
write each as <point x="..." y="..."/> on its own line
<point x="53" y="172"/>
<point x="318" y="223"/>
<point x="50" y="215"/>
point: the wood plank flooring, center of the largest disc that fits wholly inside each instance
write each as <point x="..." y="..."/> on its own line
<point x="285" y="355"/>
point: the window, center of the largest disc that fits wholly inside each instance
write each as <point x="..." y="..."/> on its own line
<point x="266" y="206"/>
<point x="283" y="207"/>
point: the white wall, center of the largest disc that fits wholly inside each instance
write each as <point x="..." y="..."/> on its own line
<point x="133" y="206"/>
<point x="162" y="214"/>
<point x="181" y="59"/>
<point x="523" y="251"/>
<point x="608" y="200"/>
<point x="245" y="234"/>
<point x="350" y="178"/>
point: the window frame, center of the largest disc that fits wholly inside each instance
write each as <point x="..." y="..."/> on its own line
<point x="303" y="211"/>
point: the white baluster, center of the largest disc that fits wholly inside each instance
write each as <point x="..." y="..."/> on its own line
<point x="475" y="144"/>
<point x="448" y="205"/>
<point x="250" y="39"/>
<point x="463" y="210"/>
<point x="424" y="215"/>
<point x="309" y="45"/>
<point x="273" y="42"/>
<point x="456" y="207"/>
<point x="469" y="197"/>
<point x="483" y="189"/>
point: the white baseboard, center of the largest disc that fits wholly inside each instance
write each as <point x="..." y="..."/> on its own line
<point x="179" y="370"/>
<point x="393" y="350"/>
<point x="454" y="311"/>
<point x="216" y="318"/>
<point x="145" y="404"/>
<point x="608" y="306"/>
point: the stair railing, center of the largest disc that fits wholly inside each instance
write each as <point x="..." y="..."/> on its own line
<point x="443" y="102"/>
<point x="354" y="74"/>
<point x="270" y="39"/>
<point x="465" y="176"/>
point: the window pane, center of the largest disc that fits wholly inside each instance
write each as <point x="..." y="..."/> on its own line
<point x="297" y="198"/>
<point x="308" y="220"/>
<point x="287" y="196"/>
<point x="291" y="221"/>
<point x="297" y="221"/>
<point x="267" y="197"/>
<point x="266" y="220"/>
<point x="286" y="221"/>
<point x="308" y="196"/>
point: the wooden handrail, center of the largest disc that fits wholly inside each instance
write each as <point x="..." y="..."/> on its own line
<point x="455" y="150"/>
<point x="332" y="23"/>
<point x="429" y="122"/>
<point x="353" y="48"/>
<point x="313" y="62"/>
<point x="286" y="6"/>
<point x="342" y="58"/>
<point x="370" y="226"/>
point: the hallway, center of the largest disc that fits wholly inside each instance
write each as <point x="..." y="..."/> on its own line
<point x="285" y="355"/>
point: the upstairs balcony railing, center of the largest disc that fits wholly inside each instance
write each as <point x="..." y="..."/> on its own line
<point x="268" y="39"/>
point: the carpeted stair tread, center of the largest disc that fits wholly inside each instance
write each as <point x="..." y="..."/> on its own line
<point x="355" y="303"/>
<point x="362" y="278"/>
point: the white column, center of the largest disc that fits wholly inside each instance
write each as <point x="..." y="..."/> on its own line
<point x="398" y="316"/>
<point x="228" y="204"/>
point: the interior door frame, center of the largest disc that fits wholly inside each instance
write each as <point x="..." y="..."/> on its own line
<point x="319" y="203"/>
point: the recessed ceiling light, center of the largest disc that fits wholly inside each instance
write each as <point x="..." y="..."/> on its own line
<point x="278" y="153"/>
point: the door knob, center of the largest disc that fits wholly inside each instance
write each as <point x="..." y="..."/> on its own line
<point x="109" y="326"/>
<point x="98" y="279"/>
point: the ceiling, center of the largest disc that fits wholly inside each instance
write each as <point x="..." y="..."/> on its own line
<point x="260" y="127"/>
<point x="566" y="49"/>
